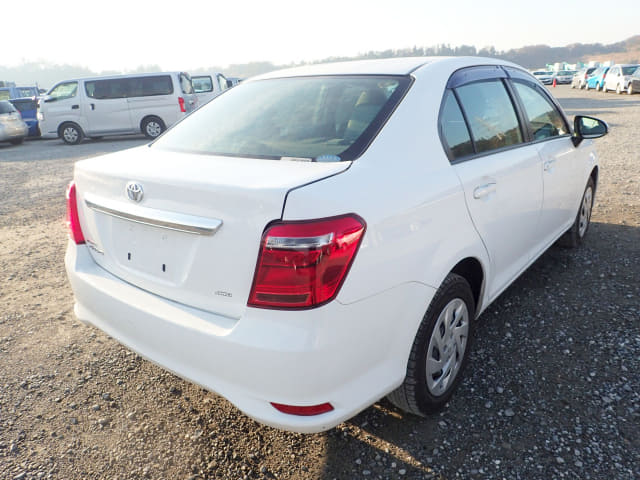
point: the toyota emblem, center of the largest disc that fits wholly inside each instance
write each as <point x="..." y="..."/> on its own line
<point x="134" y="191"/>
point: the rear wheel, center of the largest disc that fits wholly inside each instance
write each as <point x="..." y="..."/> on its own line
<point x="630" y="89"/>
<point x="70" y="133"/>
<point x="618" y="89"/>
<point x="575" y="235"/>
<point x="440" y="350"/>
<point x="17" y="141"/>
<point x="152" y="127"/>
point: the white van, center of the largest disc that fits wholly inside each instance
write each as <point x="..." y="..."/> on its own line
<point x="208" y="86"/>
<point x="115" y="105"/>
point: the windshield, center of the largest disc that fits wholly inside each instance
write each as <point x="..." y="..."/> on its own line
<point x="333" y="117"/>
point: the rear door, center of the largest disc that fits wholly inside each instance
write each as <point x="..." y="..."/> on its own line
<point x="499" y="173"/>
<point x="107" y="109"/>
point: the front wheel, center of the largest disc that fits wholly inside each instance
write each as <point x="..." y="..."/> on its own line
<point x="70" y="133"/>
<point x="618" y="89"/>
<point x="630" y="89"/>
<point x="575" y="235"/>
<point x="440" y="350"/>
<point x="152" y="127"/>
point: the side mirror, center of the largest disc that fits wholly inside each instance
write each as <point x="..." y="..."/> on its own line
<point x="588" y="127"/>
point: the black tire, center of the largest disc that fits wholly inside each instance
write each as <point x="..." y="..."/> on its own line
<point x="618" y="89"/>
<point x="152" y="127"/>
<point x="95" y="138"/>
<point x="70" y="133"/>
<point x="420" y="394"/>
<point x="630" y="89"/>
<point x="597" y="87"/>
<point x="578" y="231"/>
<point x="17" y="141"/>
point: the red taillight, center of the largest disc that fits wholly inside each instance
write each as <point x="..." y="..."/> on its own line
<point x="303" y="411"/>
<point x="73" y="220"/>
<point x="182" y="106"/>
<point x="303" y="264"/>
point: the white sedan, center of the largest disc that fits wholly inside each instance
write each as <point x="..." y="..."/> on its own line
<point x="317" y="238"/>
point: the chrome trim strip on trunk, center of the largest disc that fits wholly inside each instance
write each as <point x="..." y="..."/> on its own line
<point x="156" y="218"/>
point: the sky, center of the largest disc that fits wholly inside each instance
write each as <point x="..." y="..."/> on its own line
<point x="181" y="35"/>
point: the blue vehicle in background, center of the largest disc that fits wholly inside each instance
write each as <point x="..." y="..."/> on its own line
<point x="28" y="108"/>
<point x="596" y="80"/>
<point x="8" y="93"/>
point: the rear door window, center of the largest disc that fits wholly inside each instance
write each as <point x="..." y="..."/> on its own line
<point x="491" y="115"/>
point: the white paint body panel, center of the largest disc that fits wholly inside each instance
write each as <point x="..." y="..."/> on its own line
<point x="421" y="220"/>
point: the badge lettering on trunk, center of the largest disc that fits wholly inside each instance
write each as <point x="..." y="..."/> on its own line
<point x="134" y="191"/>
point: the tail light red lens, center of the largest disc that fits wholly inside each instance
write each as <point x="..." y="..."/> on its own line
<point x="73" y="220"/>
<point x="303" y="264"/>
<point x="303" y="411"/>
<point x="183" y="108"/>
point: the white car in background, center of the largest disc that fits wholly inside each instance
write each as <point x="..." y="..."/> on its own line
<point x="544" y="76"/>
<point x="317" y="238"/>
<point x="209" y="86"/>
<point x="618" y="78"/>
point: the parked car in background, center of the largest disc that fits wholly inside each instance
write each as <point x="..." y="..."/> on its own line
<point x="12" y="127"/>
<point x="618" y="77"/>
<point x="579" y="80"/>
<point x="28" y="108"/>
<point x="544" y="76"/>
<point x="8" y="93"/>
<point x="563" y="76"/>
<point x="634" y="83"/>
<point x="597" y="78"/>
<point x="210" y="86"/>
<point x="117" y="105"/>
<point x="319" y="237"/>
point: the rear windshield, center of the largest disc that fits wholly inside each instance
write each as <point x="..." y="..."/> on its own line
<point x="315" y="118"/>
<point x="6" y="107"/>
<point x="24" y="105"/>
<point x="629" y="70"/>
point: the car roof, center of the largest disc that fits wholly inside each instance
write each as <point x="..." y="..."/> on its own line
<point x="386" y="66"/>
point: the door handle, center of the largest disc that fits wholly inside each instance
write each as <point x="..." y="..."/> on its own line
<point x="484" y="190"/>
<point x="548" y="165"/>
<point x="75" y="107"/>
<point x="93" y="106"/>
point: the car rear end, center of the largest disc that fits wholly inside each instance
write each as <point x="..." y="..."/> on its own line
<point x="12" y="128"/>
<point x="184" y="251"/>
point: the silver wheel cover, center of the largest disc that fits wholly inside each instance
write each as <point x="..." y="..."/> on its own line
<point x="585" y="212"/>
<point x="447" y="346"/>
<point x="154" y="129"/>
<point x="70" y="134"/>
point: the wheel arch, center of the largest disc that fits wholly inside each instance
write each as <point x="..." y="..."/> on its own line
<point x="472" y="271"/>
<point x="594" y="176"/>
<point x="68" y="122"/>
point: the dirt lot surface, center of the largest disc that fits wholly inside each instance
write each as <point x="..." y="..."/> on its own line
<point x="552" y="392"/>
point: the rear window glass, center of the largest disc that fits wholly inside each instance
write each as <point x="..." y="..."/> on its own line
<point x="202" y="84"/>
<point x="629" y="70"/>
<point x="491" y="115"/>
<point x="333" y="117"/>
<point x="24" y="105"/>
<point x="454" y="129"/>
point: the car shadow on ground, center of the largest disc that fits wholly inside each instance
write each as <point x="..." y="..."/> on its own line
<point x="534" y="391"/>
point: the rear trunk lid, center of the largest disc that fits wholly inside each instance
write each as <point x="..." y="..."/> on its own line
<point x="183" y="226"/>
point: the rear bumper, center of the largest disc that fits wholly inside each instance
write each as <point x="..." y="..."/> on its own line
<point x="348" y="355"/>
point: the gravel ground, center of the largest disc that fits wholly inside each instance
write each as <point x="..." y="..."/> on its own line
<point x="552" y="390"/>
